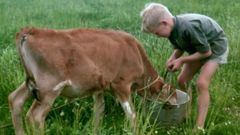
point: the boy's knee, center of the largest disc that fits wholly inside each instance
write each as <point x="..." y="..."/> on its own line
<point x="202" y="84"/>
<point x="181" y="80"/>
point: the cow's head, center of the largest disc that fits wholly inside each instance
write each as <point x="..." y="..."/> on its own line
<point x="159" y="90"/>
<point x="149" y="86"/>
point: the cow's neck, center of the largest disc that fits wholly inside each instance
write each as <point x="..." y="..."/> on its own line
<point x="150" y="72"/>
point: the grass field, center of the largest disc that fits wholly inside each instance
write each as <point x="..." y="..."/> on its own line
<point x="224" y="113"/>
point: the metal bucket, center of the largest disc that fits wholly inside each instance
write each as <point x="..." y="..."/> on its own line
<point x="165" y="114"/>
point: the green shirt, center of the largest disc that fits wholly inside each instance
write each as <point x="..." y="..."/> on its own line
<point x="198" y="33"/>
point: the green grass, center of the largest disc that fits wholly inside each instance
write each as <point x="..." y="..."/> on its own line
<point x="224" y="113"/>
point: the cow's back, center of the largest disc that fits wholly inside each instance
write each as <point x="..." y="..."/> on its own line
<point x="84" y="55"/>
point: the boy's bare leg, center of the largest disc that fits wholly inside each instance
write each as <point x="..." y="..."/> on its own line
<point x="187" y="73"/>
<point x="203" y="81"/>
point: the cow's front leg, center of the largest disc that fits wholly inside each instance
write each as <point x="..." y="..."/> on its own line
<point x="123" y="92"/>
<point x="98" y="111"/>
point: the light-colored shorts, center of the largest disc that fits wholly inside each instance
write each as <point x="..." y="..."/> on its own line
<point x="222" y="59"/>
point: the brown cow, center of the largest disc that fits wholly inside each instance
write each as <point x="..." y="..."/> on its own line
<point x="76" y="63"/>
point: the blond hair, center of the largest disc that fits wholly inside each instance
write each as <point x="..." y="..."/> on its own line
<point x="152" y="15"/>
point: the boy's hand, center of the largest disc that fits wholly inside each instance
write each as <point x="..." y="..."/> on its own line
<point x="168" y="64"/>
<point x="175" y="65"/>
<point x="175" y="56"/>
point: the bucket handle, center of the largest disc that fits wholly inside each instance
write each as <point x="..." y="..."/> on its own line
<point x="168" y="77"/>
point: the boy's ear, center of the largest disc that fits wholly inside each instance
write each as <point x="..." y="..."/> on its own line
<point x="164" y="22"/>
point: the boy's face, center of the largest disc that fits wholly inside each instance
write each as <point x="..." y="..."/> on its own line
<point x="162" y="30"/>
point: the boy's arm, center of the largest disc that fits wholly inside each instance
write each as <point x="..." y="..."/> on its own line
<point x="196" y="56"/>
<point x="177" y="63"/>
<point x="176" y="54"/>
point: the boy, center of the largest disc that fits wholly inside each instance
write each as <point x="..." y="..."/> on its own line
<point x="201" y="37"/>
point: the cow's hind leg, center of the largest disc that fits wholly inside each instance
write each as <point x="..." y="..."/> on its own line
<point x="38" y="112"/>
<point x="16" y="101"/>
<point x="98" y="111"/>
<point x="123" y="93"/>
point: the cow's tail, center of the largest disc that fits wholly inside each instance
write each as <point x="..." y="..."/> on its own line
<point x="21" y="40"/>
<point x="21" y="36"/>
